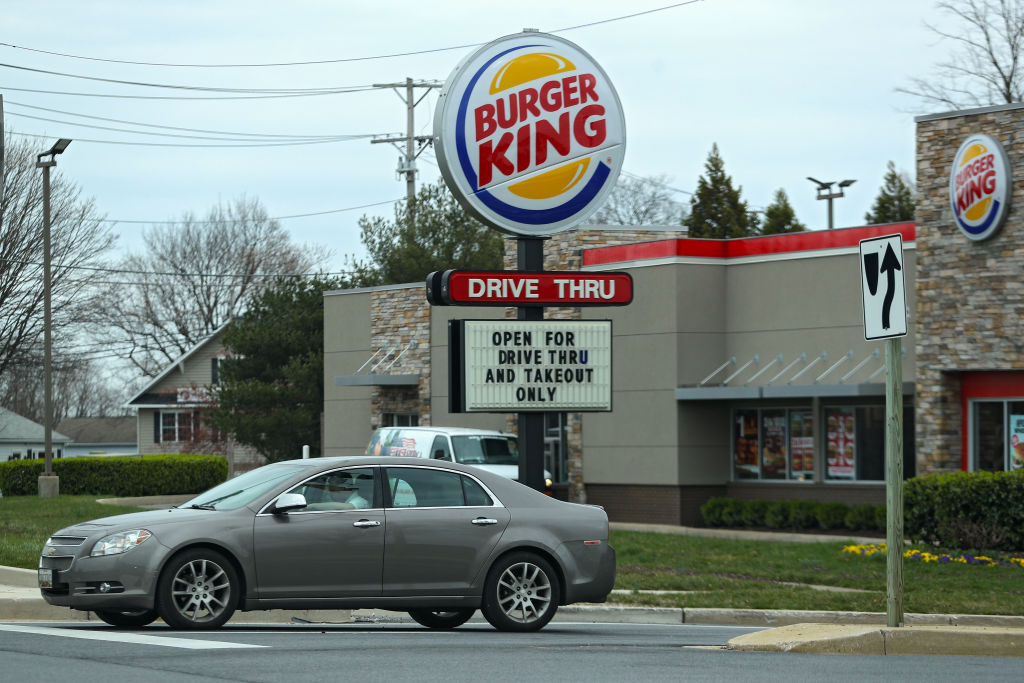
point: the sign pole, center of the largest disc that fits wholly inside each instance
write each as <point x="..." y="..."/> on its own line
<point x="894" y="480"/>
<point x="530" y="258"/>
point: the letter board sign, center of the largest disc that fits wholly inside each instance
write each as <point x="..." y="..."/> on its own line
<point x="530" y="366"/>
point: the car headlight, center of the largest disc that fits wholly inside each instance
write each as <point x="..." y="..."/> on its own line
<point x="548" y="482"/>
<point x="121" y="542"/>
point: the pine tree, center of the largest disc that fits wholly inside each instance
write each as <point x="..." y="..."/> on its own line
<point x="716" y="210"/>
<point x="780" y="217"/>
<point x="895" y="201"/>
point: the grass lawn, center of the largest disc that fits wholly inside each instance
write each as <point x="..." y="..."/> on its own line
<point x="754" y="574"/>
<point x="27" y="521"/>
<point x="701" y="572"/>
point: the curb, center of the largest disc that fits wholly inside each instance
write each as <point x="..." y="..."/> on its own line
<point x="971" y="641"/>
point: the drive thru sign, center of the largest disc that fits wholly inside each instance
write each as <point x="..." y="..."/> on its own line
<point x="884" y="294"/>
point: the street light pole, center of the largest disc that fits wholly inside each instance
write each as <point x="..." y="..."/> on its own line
<point x="825" y="191"/>
<point x="49" y="483"/>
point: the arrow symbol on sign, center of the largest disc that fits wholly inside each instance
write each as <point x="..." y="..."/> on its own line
<point x="890" y="264"/>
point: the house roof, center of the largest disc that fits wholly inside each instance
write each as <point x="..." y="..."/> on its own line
<point x="179" y="362"/>
<point x="17" y="429"/>
<point x="100" y="430"/>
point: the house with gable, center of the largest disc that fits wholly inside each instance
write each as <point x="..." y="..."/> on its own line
<point x="23" y="439"/>
<point x="170" y="409"/>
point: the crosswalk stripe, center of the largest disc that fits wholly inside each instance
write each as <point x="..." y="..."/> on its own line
<point x="121" y="637"/>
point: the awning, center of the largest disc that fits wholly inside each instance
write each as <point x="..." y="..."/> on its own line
<point x="377" y="369"/>
<point x="805" y="376"/>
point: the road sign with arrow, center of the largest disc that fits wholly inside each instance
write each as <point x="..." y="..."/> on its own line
<point x="884" y="294"/>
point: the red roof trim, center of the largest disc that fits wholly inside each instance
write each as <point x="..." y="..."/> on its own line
<point x="746" y="246"/>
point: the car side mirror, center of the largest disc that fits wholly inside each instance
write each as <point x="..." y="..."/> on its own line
<point x="288" y="502"/>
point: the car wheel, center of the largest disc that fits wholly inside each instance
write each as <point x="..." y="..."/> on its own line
<point x="441" y="619"/>
<point x="198" y="589"/>
<point x="521" y="593"/>
<point x="133" y="619"/>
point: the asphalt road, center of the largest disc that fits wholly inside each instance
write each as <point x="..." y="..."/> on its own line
<point x="563" y="651"/>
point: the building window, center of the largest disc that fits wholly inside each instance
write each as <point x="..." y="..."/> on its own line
<point x="399" y="420"/>
<point x="773" y="444"/>
<point x="556" y="447"/>
<point x="178" y="425"/>
<point x="855" y="443"/>
<point x="997" y="429"/>
<point x="778" y="443"/>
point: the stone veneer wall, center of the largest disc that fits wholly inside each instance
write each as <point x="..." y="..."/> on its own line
<point x="564" y="251"/>
<point x="400" y="316"/>
<point x="970" y="295"/>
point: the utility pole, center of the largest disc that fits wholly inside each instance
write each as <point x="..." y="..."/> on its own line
<point x="414" y="144"/>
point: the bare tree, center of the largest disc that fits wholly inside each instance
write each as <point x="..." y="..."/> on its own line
<point x="81" y="388"/>
<point x="641" y="201"/>
<point x="984" y="66"/>
<point x="78" y="242"/>
<point x="194" y="276"/>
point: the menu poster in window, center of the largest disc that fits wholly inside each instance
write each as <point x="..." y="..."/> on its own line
<point x="745" y="457"/>
<point x="773" y="452"/>
<point x="801" y="442"/>
<point x="1016" y="442"/>
<point x="841" y="449"/>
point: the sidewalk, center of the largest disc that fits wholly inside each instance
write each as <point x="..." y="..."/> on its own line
<point x="785" y="630"/>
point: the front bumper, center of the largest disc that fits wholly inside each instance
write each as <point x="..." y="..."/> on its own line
<point x="79" y="581"/>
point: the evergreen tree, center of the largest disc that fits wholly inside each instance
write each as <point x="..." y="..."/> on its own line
<point x="716" y="209"/>
<point x="780" y="217"/>
<point x="271" y="389"/>
<point x="441" y="236"/>
<point x="895" y="201"/>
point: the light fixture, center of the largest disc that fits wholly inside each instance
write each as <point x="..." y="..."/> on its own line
<point x="825" y="191"/>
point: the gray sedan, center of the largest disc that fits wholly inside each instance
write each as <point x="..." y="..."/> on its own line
<point x="436" y="539"/>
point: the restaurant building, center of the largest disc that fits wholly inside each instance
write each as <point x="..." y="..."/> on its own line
<point x="741" y="366"/>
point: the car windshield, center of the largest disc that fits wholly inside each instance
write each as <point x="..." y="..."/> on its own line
<point x="486" y="450"/>
<point x="243" y="489"/>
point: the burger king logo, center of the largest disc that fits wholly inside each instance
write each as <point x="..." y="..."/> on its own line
<point x="979" y="187"/>
<point x="530" y="135"/>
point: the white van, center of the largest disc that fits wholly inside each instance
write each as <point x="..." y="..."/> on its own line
<point x="489" y="450"/>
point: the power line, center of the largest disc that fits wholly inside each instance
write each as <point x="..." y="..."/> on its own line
<point x="245" y="144"/>
<point x="9" y="103"/>
<point x="275" y="218"/>
<point x="338" y="60"/>
<point x="177" y="274"/>
<point x="178" y="97"/>
<point x="201" y="88"/>
<point x="294" y="141"/>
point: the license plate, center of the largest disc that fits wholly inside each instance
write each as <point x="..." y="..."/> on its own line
<point x="46" y="578"/>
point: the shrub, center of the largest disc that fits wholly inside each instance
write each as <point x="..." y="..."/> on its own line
<point x="861" y="518"/>
<point x="147" y="475"/>
<point x="832" y="515"/>
<point x="732" y="512"/>
<point x="803" y="514"/>
<point x="776" y="515"/>
<point x="753" y="512"/>
<point x="978" y="510"/>
<point x="711" y="511"/>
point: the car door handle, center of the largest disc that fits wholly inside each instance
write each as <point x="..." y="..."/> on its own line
<point x="483" y="521"/>
<point x="364" y="523"/>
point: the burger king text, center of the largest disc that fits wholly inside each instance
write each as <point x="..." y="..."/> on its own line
<point x="534" y="137"/>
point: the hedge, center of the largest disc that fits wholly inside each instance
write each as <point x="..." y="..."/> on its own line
<point x="146" y="475"/>
<point x="957" y="510"/>
<point x="966" y="510"/>
<point x="801" y="515"/>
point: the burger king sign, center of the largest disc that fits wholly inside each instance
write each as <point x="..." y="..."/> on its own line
<point x="979" y="187"/>
<point x="530" y="135"/>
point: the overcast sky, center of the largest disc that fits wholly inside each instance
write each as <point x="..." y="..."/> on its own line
<point x="788" y="89"/>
